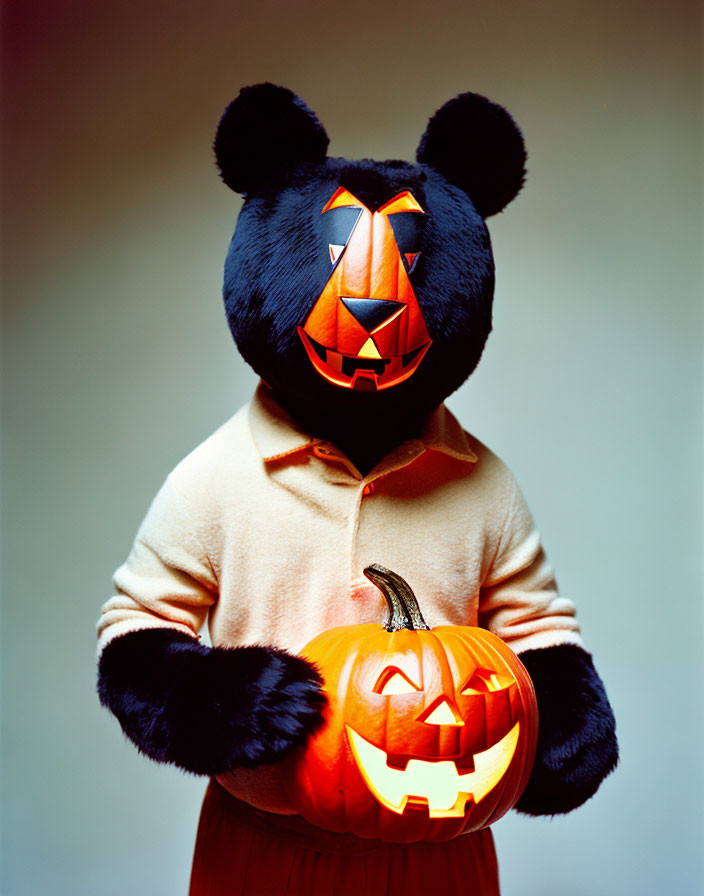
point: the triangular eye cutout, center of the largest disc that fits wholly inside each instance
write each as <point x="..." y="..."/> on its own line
<point x="335" y="251"/>
<point x="393" y="681"/>
<point x="483" y="681"/>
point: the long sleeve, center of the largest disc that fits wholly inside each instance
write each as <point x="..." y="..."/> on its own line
<point x="519" y="600"/>
<point x="167" y="580"/>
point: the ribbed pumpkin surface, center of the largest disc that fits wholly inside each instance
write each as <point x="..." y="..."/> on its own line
<point x="325" y="781"/>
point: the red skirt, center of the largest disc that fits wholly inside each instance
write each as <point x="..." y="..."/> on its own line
<point x="242" y="851"/>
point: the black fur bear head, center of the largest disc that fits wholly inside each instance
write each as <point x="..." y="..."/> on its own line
<point x="340" y="350"/>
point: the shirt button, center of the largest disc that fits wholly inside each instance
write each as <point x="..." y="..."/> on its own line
<point x="368" y="489"/>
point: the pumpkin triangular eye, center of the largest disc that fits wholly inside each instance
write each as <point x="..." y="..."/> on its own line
<point x="393" y="681"/>
<point x="336" y="229"/>
<point x="335" y="251"/>
<point x="483" y="681"/>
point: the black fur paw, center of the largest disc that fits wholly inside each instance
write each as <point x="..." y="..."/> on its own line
<point x="577" y="745"/>
<point x="205" y="709"/>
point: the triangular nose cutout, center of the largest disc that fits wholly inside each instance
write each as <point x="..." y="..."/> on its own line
<point x="371" y="313"/>
<point x="442" y="714"/>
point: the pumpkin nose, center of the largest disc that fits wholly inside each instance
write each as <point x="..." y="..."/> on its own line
<point x="442" y="713"/>
<point x="371" y="313"/>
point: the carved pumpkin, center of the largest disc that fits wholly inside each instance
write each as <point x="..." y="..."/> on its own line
<point x="366" y="330"/>
<point x="429" y="733"/>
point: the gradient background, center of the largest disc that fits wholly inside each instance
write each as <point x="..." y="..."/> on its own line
<point x="118" y="362"/>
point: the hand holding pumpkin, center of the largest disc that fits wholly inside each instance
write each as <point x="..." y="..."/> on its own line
<point x="429" y="733"/>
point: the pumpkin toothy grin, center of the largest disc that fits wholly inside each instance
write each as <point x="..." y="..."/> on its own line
<point x="437" y="784"/>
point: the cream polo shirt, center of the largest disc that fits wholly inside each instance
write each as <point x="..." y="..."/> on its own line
<point x="265" y="531"/>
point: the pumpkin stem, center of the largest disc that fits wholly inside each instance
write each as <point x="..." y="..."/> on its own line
<point x="404" y="611"/>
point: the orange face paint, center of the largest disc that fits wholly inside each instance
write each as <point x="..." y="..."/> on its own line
<point x="366" y="330"/>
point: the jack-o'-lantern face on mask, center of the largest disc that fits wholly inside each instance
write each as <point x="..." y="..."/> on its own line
<point x="366" y="331"/>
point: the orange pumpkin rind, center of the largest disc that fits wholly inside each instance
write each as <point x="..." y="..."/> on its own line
<point x="428" y="734"/>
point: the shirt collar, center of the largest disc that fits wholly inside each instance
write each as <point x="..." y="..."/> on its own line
<point x="277" y="436"/>
<point x="443" y="433"/>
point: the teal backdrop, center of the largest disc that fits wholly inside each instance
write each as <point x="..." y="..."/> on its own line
<point x="117" y="361"/>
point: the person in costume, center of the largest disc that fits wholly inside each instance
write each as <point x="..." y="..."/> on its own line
<point x="361" y="293"/>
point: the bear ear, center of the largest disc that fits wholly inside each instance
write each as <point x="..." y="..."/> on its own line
<point x="265" y="130"/>
<point x="478" y="147"/>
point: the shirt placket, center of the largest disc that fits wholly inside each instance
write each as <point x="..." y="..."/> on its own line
<point x="339" y="469"/>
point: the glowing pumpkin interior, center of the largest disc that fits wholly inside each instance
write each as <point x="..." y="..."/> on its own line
<point x="429" y="732"/>
<point x="403" y="781"/>
<point x="437" y="783"/>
